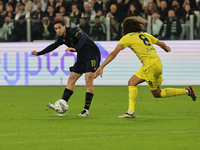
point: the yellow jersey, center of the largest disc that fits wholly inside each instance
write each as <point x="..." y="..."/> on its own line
<point x="141" y="44"/>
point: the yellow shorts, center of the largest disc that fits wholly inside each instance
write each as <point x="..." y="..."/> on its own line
<point x="152" y="75"/>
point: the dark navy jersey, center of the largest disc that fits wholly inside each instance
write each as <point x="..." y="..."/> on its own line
<point x="77" y="39"/>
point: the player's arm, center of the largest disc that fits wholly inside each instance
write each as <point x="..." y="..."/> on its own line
<point x="163" y="46"/>
<point x="81" y="38"/>
<point x="47" y="49"/>
<point x="110" y="57"/>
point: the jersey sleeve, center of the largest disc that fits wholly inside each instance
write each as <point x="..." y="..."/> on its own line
<point x="124" y="42"/>
<point x="152" y="38"/>
<point x="51" y="47"/>
<point x="80" y="36"/>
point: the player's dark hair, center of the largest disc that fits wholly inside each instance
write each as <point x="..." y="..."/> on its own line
<point x="133" y="24"/>
<point x="59" y="20"/>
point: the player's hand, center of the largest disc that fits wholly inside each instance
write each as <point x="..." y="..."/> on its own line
<point x="70" y="49"/>
<point x="168" y="49"/>
<point x="34" y="53"/>
<point x="98" y="72"/>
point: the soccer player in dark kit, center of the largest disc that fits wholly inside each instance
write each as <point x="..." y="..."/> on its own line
<point x="88" y="59"/>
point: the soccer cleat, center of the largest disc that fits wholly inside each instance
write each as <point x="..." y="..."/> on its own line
<point x="52" y="106"/>
<point x="127" y="115"/>
<point x="85" y="112"/>
<point x="191" y="92"/>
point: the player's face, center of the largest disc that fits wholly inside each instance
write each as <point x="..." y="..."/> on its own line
<point x="60" y="29"/>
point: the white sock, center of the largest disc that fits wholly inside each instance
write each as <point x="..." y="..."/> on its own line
<point x="187" y="91"/>
<point x="130" y="112"/>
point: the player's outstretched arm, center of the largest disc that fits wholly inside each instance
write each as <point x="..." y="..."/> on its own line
<point x="34" y="53"/>
<point x="48" y="49"/>
<point x="164" y="46"/>
<point x="110" y="57"/>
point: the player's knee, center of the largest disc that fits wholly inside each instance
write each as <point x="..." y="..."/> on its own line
<point x="89" y="80"/>
<point x="131" y="83"/>
<point x="71" y="79"/>
<point x="89" y="77"/>
<point x="156" y="95"/>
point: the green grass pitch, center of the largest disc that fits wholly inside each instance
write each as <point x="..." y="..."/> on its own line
<point x="160" y="124"/>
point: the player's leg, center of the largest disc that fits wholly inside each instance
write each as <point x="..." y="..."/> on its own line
<point x="133" y="92"/>
<point x="89" y="77"/>
<point x="132" y="86"/>
<point x="91" y="66"/>
<point x="76" y="72"/>
<point x="168" y="92"/>
<point x="154" y="80"/>
<point x="72" y="80"/>
<point x="69" y="88"/>
<point x="70" y="85"/>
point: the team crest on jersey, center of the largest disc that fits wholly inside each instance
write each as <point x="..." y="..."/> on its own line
<point x="148" y="50"/>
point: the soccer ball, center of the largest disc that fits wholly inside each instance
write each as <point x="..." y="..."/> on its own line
<point x="61" y="106"/>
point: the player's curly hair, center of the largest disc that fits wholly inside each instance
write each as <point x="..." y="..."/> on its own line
<point x="133" y="24"/>
<point x="59" y="20"/>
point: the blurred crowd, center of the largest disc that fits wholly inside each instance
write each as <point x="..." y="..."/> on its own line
<point x="171" y="18"/>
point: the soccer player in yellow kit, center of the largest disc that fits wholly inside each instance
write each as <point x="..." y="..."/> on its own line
<point x="151" y="71"/>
